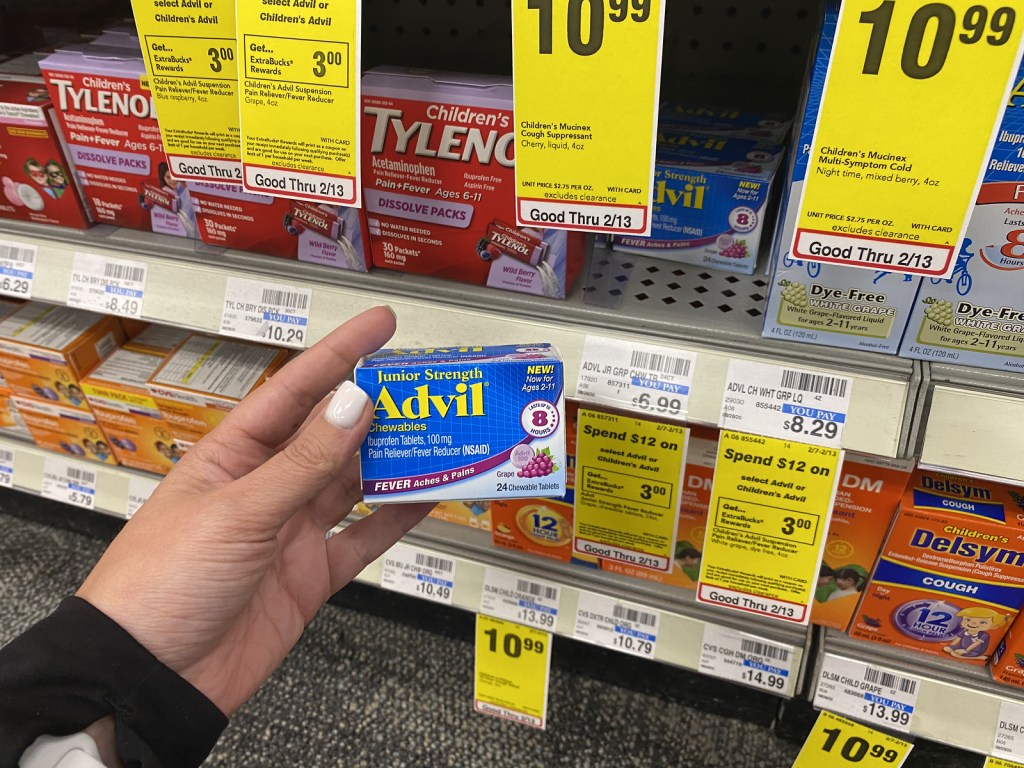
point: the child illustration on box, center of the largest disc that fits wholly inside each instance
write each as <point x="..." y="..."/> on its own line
<point x="972" y="638"/>
<point x="848" y="582"/>
<point x="56" y="178"/>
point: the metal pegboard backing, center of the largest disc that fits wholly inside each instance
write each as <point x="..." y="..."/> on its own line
<point x="749" y="53"/>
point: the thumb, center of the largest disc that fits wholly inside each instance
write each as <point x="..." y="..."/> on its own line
<point x="313" y="460"/>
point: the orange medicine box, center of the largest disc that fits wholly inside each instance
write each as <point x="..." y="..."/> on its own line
<point x="45" y="350"/>
<point x="1007" y="664"/>
<point x="950" y="577"/>
<point x="693" y="516"/>
<point x="204" y="378"/>
<point x="154" y="339"/>
<point x="63" y="429"/>
<point x="869" y="493"/>
<point x="125" y="410"/>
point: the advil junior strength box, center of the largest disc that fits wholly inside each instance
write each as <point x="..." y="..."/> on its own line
<point x="950" y="577"/>
<point x="464" y="423"/>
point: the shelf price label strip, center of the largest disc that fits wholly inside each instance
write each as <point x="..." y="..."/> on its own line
<point x="69" y="483"/>
<point x="419" y="573"/>
<point x="835" y="741"/>
<point x="517" y="598"/>
<point x="17" y="268"/>
<point x="300" y="100"/>
<point x="1009" y="736"/>
<point x="111" y="286"/>
<point x="270" y="312"/>
<point x="191" y="60"/>
<point x="618" y="625"/>
<point x="744" y="658"/>
<point x="586" y="85"/>
<point x="511" y="671"/>
<point x="867" y="692"/>
<point x="880" y="192"/>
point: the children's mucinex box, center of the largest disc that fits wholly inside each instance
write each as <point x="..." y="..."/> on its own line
<point x="950" y="577"/>
<point x="867" y="497"/>
<point x="199" y="383"/>
<point x="294" y="229"/>
<point x="439" y="178"/>
<point x="108" y="118"/>
<point x="38" y="181"/>
<point x="58" y="428"/>
<point x="730" y="122"/>
<point x="125" y="410"/>
<point x="976" y="317"/>
<point x="464" y="423"/>
<point x="45" y="350"/>
<point x="711" y="200"/>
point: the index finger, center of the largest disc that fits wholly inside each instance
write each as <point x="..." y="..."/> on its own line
<point x="273" y="413"/>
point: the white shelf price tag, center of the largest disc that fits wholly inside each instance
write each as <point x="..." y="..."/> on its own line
<point x="139" y="491"/>
<point x="111" y="286"/>
<point x="270" y="312"/>
<point x="6" y="468"/>
<point x="420" y="574"/>
<point x="625" y="627"/>
<point x="784" y="402"/>
<point x="732" y="655"/>
<point x="516" y="598"/>
<point x="69" y="483"/>
<point x="644" y="378"/>
<point x="17" y="269"/>
<point x="867" y="692"/>
<point x="1009" y="740"/>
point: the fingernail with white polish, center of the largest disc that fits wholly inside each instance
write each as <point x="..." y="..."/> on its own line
<point x="347" y="406"/>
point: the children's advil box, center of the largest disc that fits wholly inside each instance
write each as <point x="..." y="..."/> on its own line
<point x="293" y="229"/>
<point x="38" y="181"/>
<point x="45" y="350"/>
<point x="125" y="410"/>
<point x="439" y="178"/>
<point x="950" y="577"/>
<point x="107" y="115"/>
<point x="463" y="423"/>
<point x="731" y="122"/>
<point x="199" y="383"/>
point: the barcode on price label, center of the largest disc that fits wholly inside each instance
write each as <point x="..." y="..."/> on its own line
<point x="733" y="655"/>
<point x="537" y="590"/>
<point x="278" y="314"/>
<point x="605" y="621"/>
<point x="635" y="616"/>
<point x="17" y="269"/>
<point x="512" y="597"/>
<point x="119" y="271"/>
<point x="866" y="692"/>
<point x="286" y="299"/>
<point x="816" y="383"/>
<point x="420" y="574"/>
<point x="890" y="680"/>
<point x="652" y="361"/>
<point x="69" y="483"/>
<point x="26" y="254"/>
<point x="774" y="652"/>
<point x="81" y="475"/>
<point x="434" y="563"/>
<point x="103" y="284"/>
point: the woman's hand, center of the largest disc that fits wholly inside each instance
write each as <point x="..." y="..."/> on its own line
<point x="220" y="571"/>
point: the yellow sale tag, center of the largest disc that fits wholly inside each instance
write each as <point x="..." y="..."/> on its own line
<point x="913" y="94"/>
<point x="998" y="762"/>
<point x="586" y="80"/>
<point x="836" y="741"/>
<point x="771" y="502"/>
<point x="628" y="479"/>
<point x="190" y="55"/>
<point x="513" y="663"/>
<point x="300" y="99"/>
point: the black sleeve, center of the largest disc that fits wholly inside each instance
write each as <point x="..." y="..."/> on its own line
<point x="77" y="666"/>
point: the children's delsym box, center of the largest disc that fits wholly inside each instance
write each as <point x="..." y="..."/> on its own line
<point x="464" y="423"/>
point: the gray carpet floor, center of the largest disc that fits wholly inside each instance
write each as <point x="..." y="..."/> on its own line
<point x="361" y="690"/>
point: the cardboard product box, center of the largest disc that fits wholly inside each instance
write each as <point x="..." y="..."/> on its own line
<point x="475" y="513"/>
<point x="199" y="383"/>
<point x="61" y="429"/>
<point x="45" y="350"/>
<point x="869" y="493"/>
<point x="1007" y="665"/>
<point x="125" y="410"/>
<point x="153" y="338"/>
<point x="950" y="577"/>
<point x="694" y="502"/>
<point x="439" y="178"/>
<point x="712" y="201"/>
<point x="11" y="422"/>
<point x="730" y="122"/>
<point x="819" y="303"/>
<point x="107" y="114"/>
<point x="319" y="233"/>
<point x="39" y="183"/>
<point x="977" y="316"/>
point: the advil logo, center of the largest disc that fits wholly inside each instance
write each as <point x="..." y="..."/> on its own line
<point x="468" y="401"/>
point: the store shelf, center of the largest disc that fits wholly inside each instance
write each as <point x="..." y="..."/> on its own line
<point x="957" y="704"/>
<point x="682" y="623"/>
<point x="972" y="420"/>
<point x="713" y="314"/>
